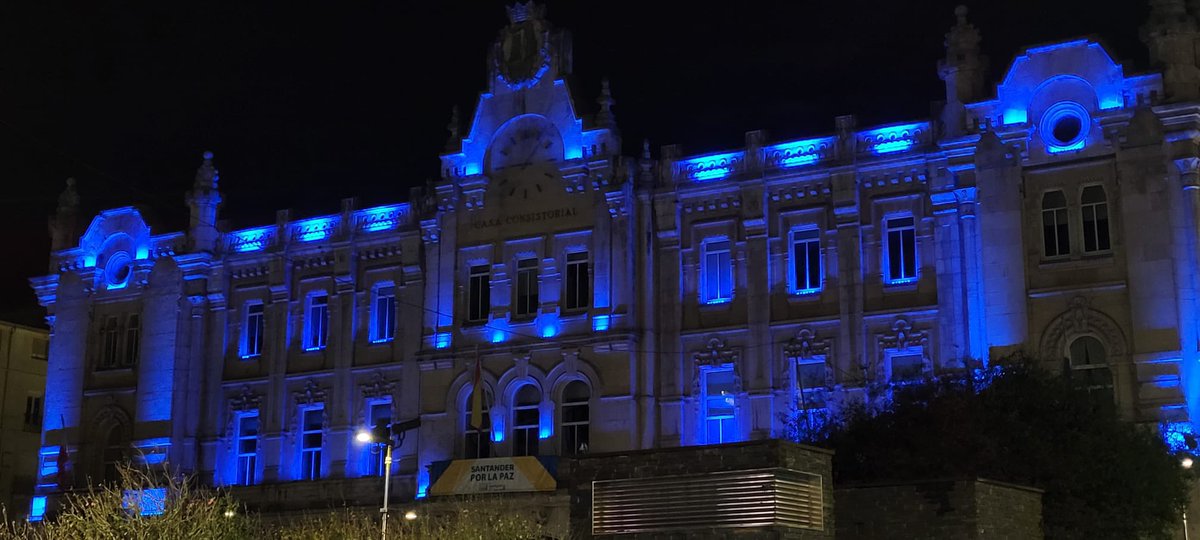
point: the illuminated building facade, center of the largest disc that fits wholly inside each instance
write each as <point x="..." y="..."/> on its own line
<point x="621" y="302"/>
<point x="22" y="387"/>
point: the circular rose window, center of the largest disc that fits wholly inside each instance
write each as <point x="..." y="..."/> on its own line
<point x="1065" y="127"/>
<point x="118" y="269"/>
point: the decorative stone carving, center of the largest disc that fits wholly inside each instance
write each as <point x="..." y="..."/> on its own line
<point x="715" y="354"/>
<point x="806" y="345"/>
<point x="1080" y="319"/>
<point x="377" y="387"/>
<point x="903" y="336"/>
<point x="312" y="393"/>
<point x="247" y="400"/>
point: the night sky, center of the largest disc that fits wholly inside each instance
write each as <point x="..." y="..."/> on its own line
<point x="304" y="105"/>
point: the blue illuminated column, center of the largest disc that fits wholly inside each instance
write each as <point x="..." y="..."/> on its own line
<point x="1002" y="263"/>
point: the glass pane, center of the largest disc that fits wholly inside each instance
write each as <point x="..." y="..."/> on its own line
<point x="576" y="391"/>
<point x="312" y="440"/>
<point x="1102" y="240"/>
<point x="313" y="418"/>
<point x="910" y="253"/>
<point x="1092" y="194"/>
<point x="526" y="417"/>
<point x="907" y="367"/>
<point x="575" y="413"/>
<point x="814" y="265"/>
<point x="1088" y="351"/>
<point x="528" y="395"/>
<point x="1054" y="199"/>
<point x="895" y="258"/>
<point x="725" y="285"/>
<point x="811" y="375"/>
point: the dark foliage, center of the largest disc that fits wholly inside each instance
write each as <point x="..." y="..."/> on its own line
<point x="1102" y="477"/>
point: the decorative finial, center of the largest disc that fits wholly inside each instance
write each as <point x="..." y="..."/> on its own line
<point x="646" y="149"/>
<point x="207" y="175"/>
<point x="452" y="143"/>
<point x="69" y="198"/>
<point x="605" y="117"/>
<point x="961" y="13"/>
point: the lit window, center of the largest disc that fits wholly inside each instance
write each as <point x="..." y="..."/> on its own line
<point x="317" y="323"/>
<point x="1094" y="207"/>
<point x="37" y="508"/>
<point x="901" y="251"/>
<point x="1089" y="367"/>
<point x="577" y="289"/>
<point x="383" y="314"/>
<point x="311" y="440"/>
<point x="716" y="272"/>
<point x="379" y="414"/>
<point x="525" y="421"/>
<point x="907" y="367"/>
<point x="1056" y="232"/>
<point x="575" y="418"/>
<point x="252" y="340"/>
<point x="479" y="294"/>
<point x="720" y="394"/>
<point x="806" y="261"/>
<point x="33" y="412"/>
<point x="247" y="447"/>
<point x="133" y="334"/>
<point x="527" y="288"/>
<point x="811" y="381"/>
<point x="477" y="441"/>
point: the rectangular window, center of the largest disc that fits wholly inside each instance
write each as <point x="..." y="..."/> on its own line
<point x="577" y="287"/>
<point x="719" y="405"/>
<point x="1095" y="219"/>
<point x="378" y="413"/>
<point x="247" y="448"/>
<point x="133" y="335"/>
<point x="111" y="343"/>
<point x="907" y="367"/>
<point x="901" y="250"/>
<point x="479" y="293"/>
<point x="383" y="314"/>
<point x="527" y="288"/>
<point x="40" y="348"/>
<point x="252" y="339"/>
<point x="525" y="429"/>
<point x="1056" y="230"/>
<point x="317" y="323"/>
<point x="33" y="412"/>
<point x="575" y="419"/>
<point x="716" y="272"/>
<point x="806" y="261"/>
<point x="311" y="440"/>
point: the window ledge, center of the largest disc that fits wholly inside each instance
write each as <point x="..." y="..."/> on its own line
<point x="1090" y="260"/>
<point x="115" y="370"/>
<point x="809" y="295"/>
<point x="381" y="341"/>
<point x="907" y="285"/>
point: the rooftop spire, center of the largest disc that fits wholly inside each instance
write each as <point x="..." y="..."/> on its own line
<point x="62" y="224"/>
<point x="1171" y="33"/>
<point x="206" y="175"/>
<point x="455" y="139"/>
<point x="203" y="201"/>
<point x="605" y="118"/>
<point x="963" y="69"/>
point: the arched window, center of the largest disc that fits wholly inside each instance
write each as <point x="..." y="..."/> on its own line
<point x="1089" y="366"/>
<point x="525" y="421"/>
<point x="1056" y="231"/>
<point x="1094" y="207"/>
<point x="575" y="418"/>
<point x="477" y="439"/>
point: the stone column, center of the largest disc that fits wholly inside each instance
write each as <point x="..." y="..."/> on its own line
<point x="1001" y="223"/>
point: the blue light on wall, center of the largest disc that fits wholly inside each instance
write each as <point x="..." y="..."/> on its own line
<point x="37" y="508"/>
<point x="1015" y="116"/>
<point x="146" y="502"/>
<point x="142" y="253"/>
<point x="247" y="240"/>
<point x="381" y="218"/>
<point x="549" y="331"/>
<point x="713" y="301"/>
<point x="798" y="153"/>
<point x="498" y="336"/>
<point x="1111" y="102"/>
<point x="892" y="139"/>
<point x="544" y="432"/>
<point x="441" y="340"/>
<point x="311" y="230"/>
<point x="600" y="323"/>
<point x="422" y="485"/>
<point x="711" y="167"/>
<point x="89" y="261"/>
<point x="796" y="161"/>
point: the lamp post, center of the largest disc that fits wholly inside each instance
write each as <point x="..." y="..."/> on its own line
<point x="386" y="434"/>
<point x="1186" y="462"/>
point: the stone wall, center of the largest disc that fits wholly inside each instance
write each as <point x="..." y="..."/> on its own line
<point x="939" y="509"/>
<point x="581" y="472"/>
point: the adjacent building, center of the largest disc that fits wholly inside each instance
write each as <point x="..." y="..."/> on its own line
<point x="23" y="354"/>
<point x="612" y="302"/>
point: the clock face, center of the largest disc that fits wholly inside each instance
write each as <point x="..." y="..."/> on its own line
<point x="527" y="141"/>
<point x="528" y="182"/>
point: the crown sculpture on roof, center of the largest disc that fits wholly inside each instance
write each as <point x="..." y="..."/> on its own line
<point x="524" y="11"/>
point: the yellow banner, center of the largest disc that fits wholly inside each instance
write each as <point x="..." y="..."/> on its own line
<point x="493" y="475"/>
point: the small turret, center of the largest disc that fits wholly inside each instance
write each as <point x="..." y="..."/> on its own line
<point x="963" y="69"/>
<point x="1171" y="34"/>
<point x="605" y="117"/>
<point x="63" y="223"/>
<point x="204" y="200"/>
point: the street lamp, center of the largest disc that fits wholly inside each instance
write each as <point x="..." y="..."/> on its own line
<point x="1185" y="462"/>
<point x="388" y="435"/>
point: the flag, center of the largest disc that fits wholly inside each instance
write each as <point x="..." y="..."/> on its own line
<point x="477" y="398"/>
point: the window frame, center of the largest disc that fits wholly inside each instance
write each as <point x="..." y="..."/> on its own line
<point x="479" y="302"/>
<point x="915" y="257"/>
<point x="311" y="455"/>
<point x="726" y="423"/>
<point x="1061" y="224"/>
<point x="569" y="430"/>
<point x="316" y="338"/>
<point x="1109" y="388"/>
<point x="525" y="435"/>
<point x="246" y="462"/>
<point x="483" y="435"/>
<point x="714" y="295"/>
<point x="889" y="360"/>
<point x="794" y="281"/>
<point x="382" y="331"/>
<point x="1096" y="208"/>
<point x="257" y="322"/>
<point x="526" y="287"/>
<point x="577" y="271"/>
<point x="375" y="458"/>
